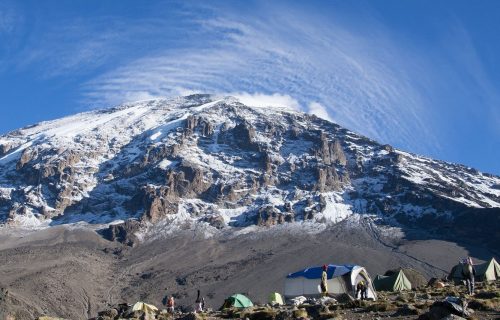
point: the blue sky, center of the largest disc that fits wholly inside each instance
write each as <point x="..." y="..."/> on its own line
<point x="420" y="75"/>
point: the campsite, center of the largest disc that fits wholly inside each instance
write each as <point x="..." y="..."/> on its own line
<point x="487" y="271"/>
<point x="390" y="296"/>
<point x="249" y="159"/>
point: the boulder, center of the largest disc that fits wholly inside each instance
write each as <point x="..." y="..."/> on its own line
<point x="216" y="221"/>
<point x="123" y="232"/>
<point x="444" y="308"/>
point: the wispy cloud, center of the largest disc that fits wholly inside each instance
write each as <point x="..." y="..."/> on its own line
<point x="360" y="82"/>
<point x="82" y="45"/>
<point x="9" y="19"/>
<point x="473" y="77"/>
<point x="78" y="46"/>
<point x="361" y="66"/>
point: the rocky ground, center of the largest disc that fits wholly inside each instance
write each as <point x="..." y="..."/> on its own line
<point x="74" y="273"/>
<point x="423" y="303"/>
<point x="206" y="193"/>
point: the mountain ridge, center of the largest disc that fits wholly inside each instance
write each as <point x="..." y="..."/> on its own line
<point x="212" y="161"/>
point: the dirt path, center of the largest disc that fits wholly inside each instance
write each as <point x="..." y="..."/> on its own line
<point x="375" y="231"/>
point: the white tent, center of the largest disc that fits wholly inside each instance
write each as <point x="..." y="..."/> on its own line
<point x="340" y="279"/>
<point x="142" y="306"/>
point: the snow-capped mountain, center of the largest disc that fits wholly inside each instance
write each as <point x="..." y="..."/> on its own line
<point x="217" y="163"/>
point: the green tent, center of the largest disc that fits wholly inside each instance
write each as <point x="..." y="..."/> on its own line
<point x="276" y="299"/>
<point x="456" y="273"/>
<point x="237" y="301"/>
<point x="488" y="271"/>
<point x="395" y="282"/>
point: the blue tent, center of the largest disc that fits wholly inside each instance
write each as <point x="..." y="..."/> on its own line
<point x="340" y="279"/>
<point x="333" y="271"/>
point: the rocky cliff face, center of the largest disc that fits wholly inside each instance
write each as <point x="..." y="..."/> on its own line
<point x="218" y="163"/>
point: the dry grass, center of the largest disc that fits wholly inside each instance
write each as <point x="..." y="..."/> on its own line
<point x="329" y="315"/>
<point x="356" y="304"/>
<point x="423" y="306"/>
<point x="266" y="314"/>
<point x="452" y="292"/>
<point x="300" y="313"/>
<point x="437" y="293"/>
<point x="485" y="304"/>
<point x="165" y="316"/>
<point x="381" y="306"/>
<point x="487" y="295"/>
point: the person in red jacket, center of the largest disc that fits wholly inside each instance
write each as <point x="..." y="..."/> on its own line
<point x="171" y="304"/>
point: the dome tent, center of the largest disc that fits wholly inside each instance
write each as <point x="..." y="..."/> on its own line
<point x="395" y="282"/>
<point x="340" y="279"/>
<point x="488" y="271"/>
<point x="417" y="279"/>
<point x="146" y="307"/>
<point x="276" y="299"/>
<point x="237" y="301"/>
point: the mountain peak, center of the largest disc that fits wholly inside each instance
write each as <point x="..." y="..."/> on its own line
<point x="216" y="162"/>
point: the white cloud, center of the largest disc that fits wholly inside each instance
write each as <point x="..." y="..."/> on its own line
<point x="319" y="110"/>
<point x="359" y="80"/>
<point x="366" y="77"/>
<point x="261" y="100"/>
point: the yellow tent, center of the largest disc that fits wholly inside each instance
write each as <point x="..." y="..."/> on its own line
<point x="142" y="306"/>
<point x="276" y="299"/>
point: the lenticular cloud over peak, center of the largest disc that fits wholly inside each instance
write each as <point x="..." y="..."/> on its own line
<point x="302" y="66"/>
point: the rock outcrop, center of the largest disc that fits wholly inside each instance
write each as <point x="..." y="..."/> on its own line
<point x="199" y="157"/>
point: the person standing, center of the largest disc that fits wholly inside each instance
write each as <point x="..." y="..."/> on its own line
<point x="468" y="274"/>
<point x="362" y="289"/>
<point x="324" y="284"/>
<point x="171" y="305"/>
<point x="198" y="305"/>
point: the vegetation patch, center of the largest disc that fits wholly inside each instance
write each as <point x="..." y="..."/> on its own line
<point x="485" y="304"/>
<point x="381" y="306"/>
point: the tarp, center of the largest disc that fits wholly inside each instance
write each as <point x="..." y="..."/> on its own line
<point x="333" y="271"/>
<point x="142" y="306"/>
<point x="237" y="301"/>
<point x="487" y="271"/>
<point x="276" y="298"/>
<point x="395" y="282"/>
<point x="341" y="279"/>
